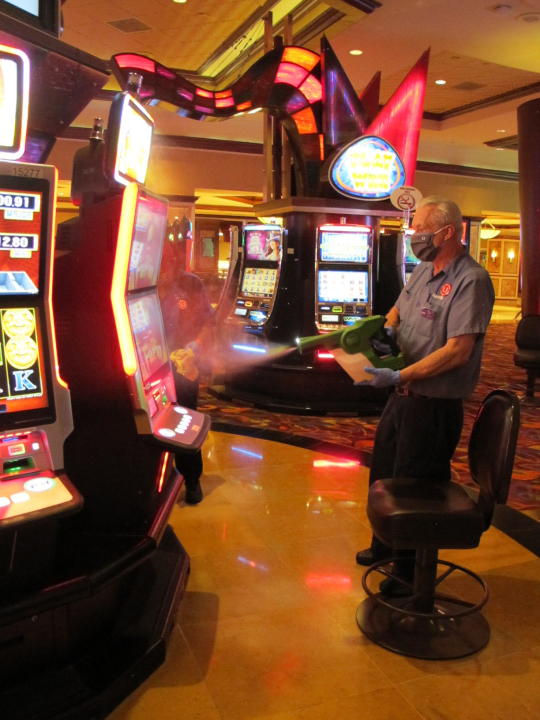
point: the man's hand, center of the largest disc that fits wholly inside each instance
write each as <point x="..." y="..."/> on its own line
<point x="382" y="377"/>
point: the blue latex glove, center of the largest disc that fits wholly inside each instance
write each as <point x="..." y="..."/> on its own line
<point x="382" y="377"/>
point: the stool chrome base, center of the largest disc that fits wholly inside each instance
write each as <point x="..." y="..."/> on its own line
<point x="428" y="624"/>
<point x="429" y="638"/>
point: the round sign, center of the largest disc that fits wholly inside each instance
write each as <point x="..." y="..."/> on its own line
<point x="405" y="198"/>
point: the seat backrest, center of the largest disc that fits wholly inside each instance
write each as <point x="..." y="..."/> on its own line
<point x="492" y="448"/>
<point x="528" y="333"/>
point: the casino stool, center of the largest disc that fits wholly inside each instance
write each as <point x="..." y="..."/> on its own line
<point x="426" y="516"/>
<point x="527" y="353"/>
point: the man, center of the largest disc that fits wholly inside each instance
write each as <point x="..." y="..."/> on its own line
<point x="440" y="318"/>
<point x="188" y="323"/>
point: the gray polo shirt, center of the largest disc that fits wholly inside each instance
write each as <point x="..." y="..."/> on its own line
<point x="433" y="308"/>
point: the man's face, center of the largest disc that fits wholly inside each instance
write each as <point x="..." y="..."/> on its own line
<point x="426" y="220"/>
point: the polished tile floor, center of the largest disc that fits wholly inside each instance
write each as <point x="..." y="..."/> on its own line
<point x="267" y="626"/>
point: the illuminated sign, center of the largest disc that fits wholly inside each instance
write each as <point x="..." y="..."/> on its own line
<point x="14" y="91"/>
<point x="134" y="142"/>
<point x="367" y="168"/>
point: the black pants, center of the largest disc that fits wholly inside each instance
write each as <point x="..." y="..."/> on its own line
<point x="416" y="437"/>
<point x="190" y="465"/>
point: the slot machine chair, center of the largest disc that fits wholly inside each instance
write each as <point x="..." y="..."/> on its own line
<point x="408" y="513"/>
<point x="527" y="355"/>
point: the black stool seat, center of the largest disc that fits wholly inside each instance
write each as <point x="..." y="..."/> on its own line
<point x="407" y="513"/>
<point x="527" y="354"/>
<point x="527" y="358"/>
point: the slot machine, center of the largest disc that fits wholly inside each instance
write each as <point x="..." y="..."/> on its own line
<point x="262" y="252"/>
<point x="35" y="410"/>
<point x="128" y="425"/>
<point x="343" y="275"/>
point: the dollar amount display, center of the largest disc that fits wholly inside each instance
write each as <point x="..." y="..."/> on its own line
<point x="18" y="242"/>
<point x="20" y="201"/>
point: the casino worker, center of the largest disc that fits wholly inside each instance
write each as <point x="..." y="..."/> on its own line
<point x="440" y="319"/>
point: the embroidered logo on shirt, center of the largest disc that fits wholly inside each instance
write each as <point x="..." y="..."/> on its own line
<point x="445" y="290"/>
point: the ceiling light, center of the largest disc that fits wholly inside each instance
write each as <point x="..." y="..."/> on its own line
<point x="180" y="2"/>
<point x="355" y="52"/>
<point x="440" y="82"/>
<point x="501" y="130"/>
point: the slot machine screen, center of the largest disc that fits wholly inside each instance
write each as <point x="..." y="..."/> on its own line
<point x="130" y="130"/>
<point x="41" y="14"/>
<point x="343" y="286"/>
<point x="21" y="218"/>
<point x="149" y="337"/>
<point x="259" y="282"/>
<point x="22" y="379"/>
<point x="149" y="229"/>
<point x="14" y="73"/>
<point x="408" y="256"/>
<point x="263" y="244"/>
<point x="339" y="246"/>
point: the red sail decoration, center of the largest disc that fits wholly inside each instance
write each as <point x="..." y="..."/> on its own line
<point x="400" y="119"/>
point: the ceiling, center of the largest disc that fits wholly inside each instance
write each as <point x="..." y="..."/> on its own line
<point x="486" y="50"/>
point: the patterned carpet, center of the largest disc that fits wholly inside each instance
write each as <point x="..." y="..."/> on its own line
<point x="356" y="433"/>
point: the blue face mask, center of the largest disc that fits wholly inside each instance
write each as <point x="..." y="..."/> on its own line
<point x="423" y="247"/>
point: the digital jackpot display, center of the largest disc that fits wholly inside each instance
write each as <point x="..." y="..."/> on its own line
<point x="21" y="360"/>
<point x="338" y="245"/>
<point x="20" y="228"/>
<point x="146" y="247"/>
<point x="343" y="286"/>
<point x="259" y="282"/>
<point x="14" y="89"/>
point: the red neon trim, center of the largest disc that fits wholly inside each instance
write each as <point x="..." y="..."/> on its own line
<point x="162" y="469"/>
<point x="244" y="106"/>
<point x="345" y="228"/>
<point x="224" y="94"/>
<point x="138" y="62"/>
<point x="61" y="381"/>
<point x="165" y="72"/>
<point x="120" y="273"/>
<point x="322" y="355"/>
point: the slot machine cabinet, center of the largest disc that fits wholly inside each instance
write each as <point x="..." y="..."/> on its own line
<point x="115" y="359"/>
<point x="262" y="252"/>
<point x="390" y="271"/>
<point x="111" y="342"/>
<point x="343" y="275"/>
<point x="35" y="410"/>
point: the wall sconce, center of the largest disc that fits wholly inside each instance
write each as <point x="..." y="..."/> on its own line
<point x="494" y="254"/>
<point x="511" y="255"/>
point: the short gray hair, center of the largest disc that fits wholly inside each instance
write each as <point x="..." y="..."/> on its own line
<point x="447" y="210"/>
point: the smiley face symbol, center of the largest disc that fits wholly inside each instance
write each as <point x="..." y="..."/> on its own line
<point x="21" y="352"/>
<point x="18" y="322"/>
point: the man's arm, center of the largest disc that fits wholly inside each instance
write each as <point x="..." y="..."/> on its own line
<point x="392" y="317"/>
<point x="456" y="352"/>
